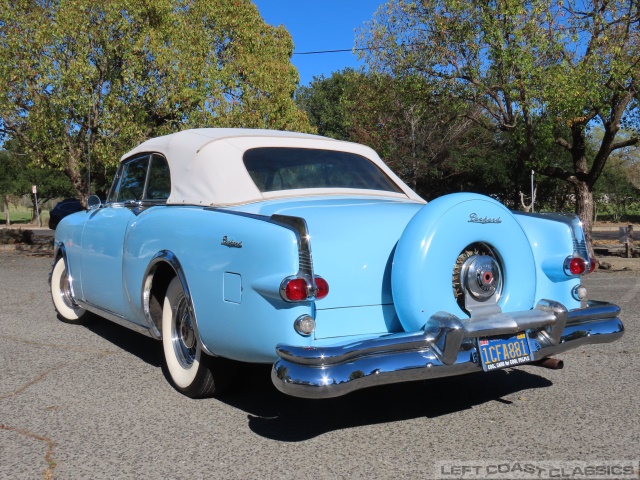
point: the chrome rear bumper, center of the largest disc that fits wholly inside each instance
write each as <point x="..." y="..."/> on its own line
<point x="446" y="346"/>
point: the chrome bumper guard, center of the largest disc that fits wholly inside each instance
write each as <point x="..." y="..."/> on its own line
<point x="446" y="346"/>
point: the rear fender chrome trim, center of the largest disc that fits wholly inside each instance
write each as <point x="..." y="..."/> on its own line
<point x="59" y="250"/>
<point x="169" y="258"/>
<point x="300" y="229"/>
<point x="575" y="225"/>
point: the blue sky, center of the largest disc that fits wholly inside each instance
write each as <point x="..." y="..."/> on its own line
<point x="320" y="25"/>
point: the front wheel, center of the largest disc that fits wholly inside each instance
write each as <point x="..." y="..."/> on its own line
<point x="62" y="294"/>
<point x="192" y="372"/>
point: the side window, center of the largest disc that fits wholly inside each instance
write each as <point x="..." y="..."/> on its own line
<point x="132" y="180"/>
<point x="159" y="183"/>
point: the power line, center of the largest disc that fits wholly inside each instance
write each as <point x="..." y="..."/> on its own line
<point x="337" y="51"/>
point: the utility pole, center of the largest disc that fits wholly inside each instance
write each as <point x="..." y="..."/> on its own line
<point x="34" y="189"/>
<point x="533" y="193"/>
<point x="89" y="159"/>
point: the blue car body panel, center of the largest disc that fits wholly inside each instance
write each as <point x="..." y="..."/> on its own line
<point x="235" y="291"/>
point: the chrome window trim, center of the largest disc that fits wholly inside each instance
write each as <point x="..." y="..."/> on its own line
<point x="143" y="202"/>
<point x="115" y="187"/>
<point x="146" y="184"/>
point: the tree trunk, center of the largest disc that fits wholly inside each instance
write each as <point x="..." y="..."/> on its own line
<point x="5" y="203"/>
<point x="79" y="182"/>
<point x="585" y="209"/>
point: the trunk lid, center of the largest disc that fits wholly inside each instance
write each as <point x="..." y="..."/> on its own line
<point x="352" y="243"/>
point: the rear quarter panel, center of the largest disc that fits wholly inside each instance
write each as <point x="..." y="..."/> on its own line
<point x="551" y="243"/>
<point x="235" y="291"/>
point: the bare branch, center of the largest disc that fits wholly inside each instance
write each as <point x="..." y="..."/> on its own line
<point x="564" y="144"/>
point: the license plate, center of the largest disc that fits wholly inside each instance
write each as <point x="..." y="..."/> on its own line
<point x="504" y="351"/>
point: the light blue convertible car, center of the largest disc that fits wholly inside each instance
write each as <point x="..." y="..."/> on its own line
<point x="312" y="255"/>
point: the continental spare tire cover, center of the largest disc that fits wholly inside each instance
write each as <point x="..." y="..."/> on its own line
<point x="437" y="239"/>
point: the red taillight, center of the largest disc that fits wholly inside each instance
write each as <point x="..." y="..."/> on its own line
<point x="577" y="266"/>
<point x="592" y="265"/>
<point x="295" y="290"/>
<point x="322" y="288"/>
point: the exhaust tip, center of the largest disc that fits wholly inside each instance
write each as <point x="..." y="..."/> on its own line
<point x="551" y="363"/>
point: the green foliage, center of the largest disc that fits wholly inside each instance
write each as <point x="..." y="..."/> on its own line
<point x="538" y="69"/>
<point x="11" y="180"/>
<point x="616" y="195"/>
<point x="102" y="76"/>
<point x="418" y="134"/>
<point x="18" y="174"/>
<point x="324" y="102"/>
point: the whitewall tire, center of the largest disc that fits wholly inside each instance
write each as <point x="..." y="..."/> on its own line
<point x="191" y="371"/>
<point x="62" y="296"/>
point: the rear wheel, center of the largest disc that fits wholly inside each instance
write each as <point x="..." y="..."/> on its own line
<point x="192" y="372"/>
<point x="62" y="294"/>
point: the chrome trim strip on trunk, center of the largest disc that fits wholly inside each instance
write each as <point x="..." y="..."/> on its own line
<point x="323" y="372"/>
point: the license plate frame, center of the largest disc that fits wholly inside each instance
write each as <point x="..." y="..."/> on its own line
<point x="504" y="351"/>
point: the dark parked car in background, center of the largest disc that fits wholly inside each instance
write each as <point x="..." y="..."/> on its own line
<point x="62" y="209"/>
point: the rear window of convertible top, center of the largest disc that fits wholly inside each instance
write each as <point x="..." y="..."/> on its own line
<point x="281" y="168"/>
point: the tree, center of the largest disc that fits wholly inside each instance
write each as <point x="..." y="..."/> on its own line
<point x="416" y="132"/>
<point x="619" y="184"/>
<point x="323" y="100"/>
<point x="50" y="184"/>
<point x="18" y="174"/>
<point x="84" y="76"/>
<point x="531" y="65"/>
<point x="10" y="181"/>
<point x="615" y="192"/>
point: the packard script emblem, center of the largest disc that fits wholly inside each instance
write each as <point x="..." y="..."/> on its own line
<point x="230" y="243"/>
<point x="474" y="218"/>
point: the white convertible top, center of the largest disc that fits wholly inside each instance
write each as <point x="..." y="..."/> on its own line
<point x="206" y="164"/>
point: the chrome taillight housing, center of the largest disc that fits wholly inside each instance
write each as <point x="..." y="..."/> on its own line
<point x="575" y="266"/>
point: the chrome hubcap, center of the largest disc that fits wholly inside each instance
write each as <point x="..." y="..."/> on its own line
<point x="65" y="291"/>
<point x="183" y="335"/>
<point x="480" y="277"/>
<point x="477" y="276"/>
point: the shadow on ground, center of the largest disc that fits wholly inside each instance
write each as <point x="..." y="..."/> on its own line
<point x="145" y="348"/>
<point x="276" y="416"/>
<point x="279" y="417"/>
